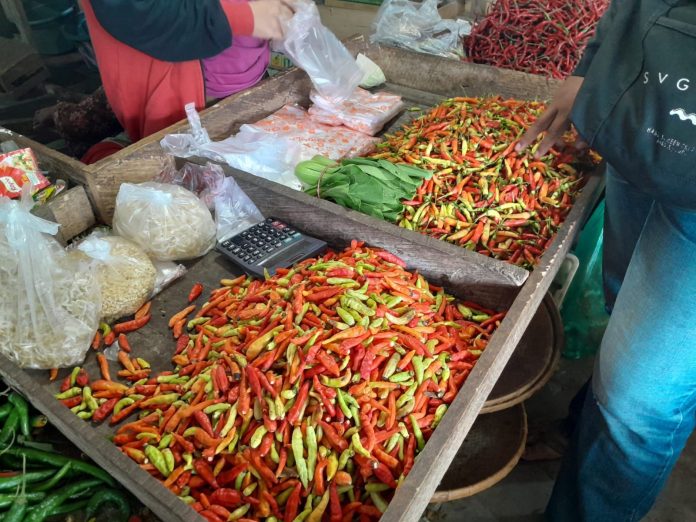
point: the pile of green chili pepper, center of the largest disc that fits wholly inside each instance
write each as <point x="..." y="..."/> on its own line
<point x="307" y="396"/>
<point x="484" y="196"/>
<point x="37" y="482"/>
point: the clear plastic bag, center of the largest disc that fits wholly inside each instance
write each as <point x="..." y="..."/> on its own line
<point x="419" y="27"/>
<point x="166" y="273"/>
<point x="364" y="111"/>
<point x="317" y="51"/>
<point x="293" y="122"/>
<point x="263" y="155"/>
<point x="125" y="273"/>
<point x="49" y="305"/>
<point x="167" y="221"/>
<point x="234" y="210"/>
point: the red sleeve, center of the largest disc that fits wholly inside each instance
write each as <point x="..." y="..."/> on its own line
<point x="240" y="17"/>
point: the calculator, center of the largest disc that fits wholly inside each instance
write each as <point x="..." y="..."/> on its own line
<point x="269" y="245"/>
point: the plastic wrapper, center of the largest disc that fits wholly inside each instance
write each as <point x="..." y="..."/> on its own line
<point x="166" y="273"/>
<point x="364" y="111"/>
<point x="49" y="304"/>
<point x="419" y="27"/>
<point x="167" y="221"/>
<point x="316" y="139"/>
<point x="17" y="169"/>
<point x="234" y="210"/>
<point x="316" y="50"/>
<point x="125" y="273"/>
<point x="263" y="155"/>
<point x="372" y="73"/>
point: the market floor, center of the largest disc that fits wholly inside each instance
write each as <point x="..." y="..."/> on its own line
<point x="522" y="495"/>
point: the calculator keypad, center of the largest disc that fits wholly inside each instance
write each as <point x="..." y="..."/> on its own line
<point x="261" y="241"/>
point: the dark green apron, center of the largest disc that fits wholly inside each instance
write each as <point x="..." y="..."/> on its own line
<point x="648" y="133"/>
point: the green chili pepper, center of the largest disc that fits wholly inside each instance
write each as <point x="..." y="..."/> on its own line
<point x="7" y="499"/>
<point x="439" y="413"/>
<point x="69" y="393"/>
<point x="247" y="491"/>
<point x="50" y="503"/>
<point x="53" y="481"/>
<point x="109" y="496"/>
<point x="311" y="437"/>
<point x="157" y="459"/>
<point x="345" y="316"/>
<point x="22" y="409"/>
<point x="257" y="437"/>
<point x="10" y="428"/>
<point x="11" y="483"/>
<point x="400" y="377"/>
<point x="391" y="365"/>
<point x="239" y="512"/>
<point x="298" y="452"/>
<point x="239" y="480"/>
<point x="168" y="460"/>
<point x="358" y="447"/>
<point x="417" y="432"/>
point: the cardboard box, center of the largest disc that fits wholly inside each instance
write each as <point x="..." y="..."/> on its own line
<point x="346" y="22"/>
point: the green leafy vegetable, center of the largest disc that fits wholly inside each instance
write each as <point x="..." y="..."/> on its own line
<point x="373" y="187"/>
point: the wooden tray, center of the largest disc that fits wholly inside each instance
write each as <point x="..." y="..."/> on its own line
<point x="489" y="453"/>
<point x="533" y="362"/>
<point x="155" y="344"/>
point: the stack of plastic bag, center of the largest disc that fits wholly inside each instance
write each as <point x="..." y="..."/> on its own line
<point x="49" y="304"/>
<point x="418" y="27"/>
<point x="315" y="139"/>
<point x="362" y="111"/>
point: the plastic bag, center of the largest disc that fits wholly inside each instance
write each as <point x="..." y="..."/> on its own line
<point x="167" y="221"/>
<point x="293" y="122"/>
<point x="166" y="273"/>
<point x="234" y="210"/>
<point x="125" y="274"/>
<point x="372" y="73"/>
<point x="363" y="111"/>
<point x="263" y="155"/>
<point x="49" y="304"/>
<point x="419" y="27"/>
<point x="584" y="314"/>
<point x="317" y="51"/>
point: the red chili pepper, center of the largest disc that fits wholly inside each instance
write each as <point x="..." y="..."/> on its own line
<point x="230" y="498"/>
<point x="293" y="504"/>
<point x="82" y="379"/>
<point x="104" y="410"/>
<point x="195" y="292"/>
<point x="131" y="326"/>
<point x="294" y="413"/>
<point x="205" y="472"/>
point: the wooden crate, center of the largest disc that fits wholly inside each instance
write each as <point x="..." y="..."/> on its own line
<point x="154" y="344"/>
<point x="72" y="209"/>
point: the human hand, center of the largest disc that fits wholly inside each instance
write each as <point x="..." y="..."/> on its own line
<point x="269" y="16"/>
<point x="555" y="121"/>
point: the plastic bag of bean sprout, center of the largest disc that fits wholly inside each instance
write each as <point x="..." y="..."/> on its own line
<point x="125" y="273"/>
<point x="363" y="112"/>
<point x="167" y="221"/>
<point x="50" y="302"/>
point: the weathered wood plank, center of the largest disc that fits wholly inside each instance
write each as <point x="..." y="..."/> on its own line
<point x="59" y="165"/>
<point x="71" y="210"/>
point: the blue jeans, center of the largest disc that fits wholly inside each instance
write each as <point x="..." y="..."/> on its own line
<point x="642" y="408"/>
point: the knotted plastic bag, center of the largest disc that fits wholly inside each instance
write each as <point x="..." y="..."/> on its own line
<point x="50" y="302"/>
<point x="167" y="221"/>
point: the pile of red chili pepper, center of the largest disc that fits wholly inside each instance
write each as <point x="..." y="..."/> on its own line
<point x="544" y="37"/>
<point x="305" y="396"/>
<point x="484" y="196"/>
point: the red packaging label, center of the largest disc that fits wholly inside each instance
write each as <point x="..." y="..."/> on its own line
<point x="19" y="168"/>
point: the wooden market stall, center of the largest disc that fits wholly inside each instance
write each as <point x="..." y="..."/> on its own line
<point x="420" y="79"/>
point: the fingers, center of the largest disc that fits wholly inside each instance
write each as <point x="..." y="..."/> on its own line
<point x="553" y="136"/>
<point x="540" y="125"/>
